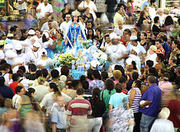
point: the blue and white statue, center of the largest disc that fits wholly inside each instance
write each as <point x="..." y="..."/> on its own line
<point x="75" y="31"/>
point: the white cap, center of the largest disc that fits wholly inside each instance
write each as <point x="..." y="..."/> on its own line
<point x="114" y="36"/>
<point x="31" y="32"/>
<point x="37" y="44"/>
<point x="18" y="47"/>
<point x="133" y="38"/>
<point x="10" y="54"/>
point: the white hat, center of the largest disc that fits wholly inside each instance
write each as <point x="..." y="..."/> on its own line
<point x="10" y="54"/>
<point x="76" y="13"/>
<point x="9" y="35"/>
<point x="63" y="78"/>
<point x="164" y="114"/>
<point x="37" y="44"/>
<point x="113" y="36"/>
<point x="133" y="38"/>
<point x="31" y="32"/>
<point x="18" y="47"/>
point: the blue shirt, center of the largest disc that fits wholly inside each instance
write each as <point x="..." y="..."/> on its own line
<point x="153" y="93"/>
<point x="58" y="117"/>
<point x="117" y="99"/>
<point x="166" y="47"/>
<point x="6" y="92"/>
<point x="145" y="3"/>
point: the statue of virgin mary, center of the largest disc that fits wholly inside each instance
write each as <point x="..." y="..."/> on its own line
<point x="75" y="31"/>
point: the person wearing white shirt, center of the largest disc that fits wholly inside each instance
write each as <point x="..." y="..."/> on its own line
<point x="134" y="43"/>
<point x="116" y="52"/>
<point x="106" y="44"/>
<point x="64" y="25"/>
<point x="43" y="9"/>
<point x="161" y="15"/>
<point x="2" y="43"/>
<point x="22" y="6"/>
<point x="119" y="30"/>
<point x="151" y="54"/>
<point x="88" y="4"/>
<point x="16" y="100"/>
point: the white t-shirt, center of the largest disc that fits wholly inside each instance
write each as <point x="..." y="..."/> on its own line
<point x="91" y="6"/>
<point x="44" y="9"/>
<point x="22" y="6"/>
<point x="2" y="54"/>
<point x="63" y="27"/>
<point x="115" y="52"/>
<point x="151" y="57"/>
<point x="16" y="101"/>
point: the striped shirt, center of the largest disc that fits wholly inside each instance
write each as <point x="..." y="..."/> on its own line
<point x="79" y="107"/>
<point x="135" y="104"/>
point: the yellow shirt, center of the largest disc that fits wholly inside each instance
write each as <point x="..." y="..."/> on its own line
<point x="117" y="17"/>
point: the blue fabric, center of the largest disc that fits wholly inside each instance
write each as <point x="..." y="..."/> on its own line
<point x="6" y="92"/>
<point x="166" y="47"/>
<point x="145" y="3"/>
<point x="73" y="34"/>
<point x="153" y="93"/>
<point x="117" y="99"/>
<point x="146" y="123"/>
<point x="50" y="53"/>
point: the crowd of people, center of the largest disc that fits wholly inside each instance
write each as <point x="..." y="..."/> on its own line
<point x="137" y="90"/>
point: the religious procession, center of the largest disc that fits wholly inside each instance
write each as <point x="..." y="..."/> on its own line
<point x="89" y="66"/>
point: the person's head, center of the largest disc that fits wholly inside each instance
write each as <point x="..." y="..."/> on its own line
<point x="107" y="39"/>
<point x="68" y="17"/>
<point x="44" y="72"/>
<point x="15" y="77"/>
<point x="60" y="100"/>
<point x="121" y="8"/>
<point x="149" y="63"/>
<point x="118" y="88"/>
<point x="172" y="60"/>
<point x="31" y="92"/>
<point x="87" y="10"/>
<point x="85" y="85"/>
<point x="120" y="24"/>
<point x="67" y="6"/>
<point x="109" y="85"/>
<point x="135" y="75"/>
<point x="151" y="80"/>
<point x="90" y="33"/>
<point x="90" y="74"/>
<point x="136" y="84"/>
<point x="20" y="90"/>
<point x="117" y="74"/>
<point x="53" y="87"/>
<point x="32" y="68"/>
<point x="54" y="74"/>
<point x="45" y="2"/>
<point x="168" y="21"/>
<point x="8" y="103"/>
<point x="96" y="75"/>
<point x="156" y="20"/>
<point x="122" y="81"/>
<point x="76" y="84"/>
<point x="65" y="70"/>
<point x="98" y="31"/>
<point x="158" y="44"/>
<point x="160" y="57"/>
<point x="80" y="91"/>
<point x="104" y="75"/>
<point x="143" y="36"/>
<point x="127" y="34"/>
<point x="96" y="94"/>
<point x="120" y="68"/>
<point x="88" y="25"/>
<point x="164" y="114"/>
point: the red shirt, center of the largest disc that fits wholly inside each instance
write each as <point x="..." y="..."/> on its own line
<point x="79" y="107"/>
<point x="174" y="107"/>
<point x="13" y="85"/>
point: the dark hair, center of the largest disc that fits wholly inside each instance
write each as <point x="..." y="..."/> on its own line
<point x="142" y="14"/>
<point x="161" y="57"/>
<point x="15" y="77"/>
<point x="22" y="68"/>
<point x="128" y="31"/>
<point x="122" y="80"/>
<point x="20" y="73"/>
<point x="135" y="75"/>
<point x="134" y="65"/>
<point x="96" y="74"/>
<point x="119" y="7"/>
<point x="38" y="73"/>
<point x="151" y="79"/>
<point x="75" y="83"/>
<point x="80" y="91"/>
<point x="44" y="39"/>
<point x="118" y="88"/>
<point x="138" y="83"/>
<point x="153" y="71"/>
<point x="32" y="67"/>
<point x="85" y="84"/>
<point x="109" y="85"/>
<point x="23" y="31"/>
<point x="2" y="81"/>
<point x="119" y="67"/>
<point x="54" y="73"/>
<point x="44" y="72"/>
<point x="65" y="70"/>
<point x="18" y="89"/>
<point x="54" y="87"/>
<point x="83" y="78"/>
<point x="96" y="94"/>
<point x="89" y="74"/>
<point x="150" y="63"/>
<point x="156" y="19"/>
<point x="88" y="36"/>
<point x="168" y="21"/>
<point x="104" y="75"/>
<point x="73" y="19"/>
<point x="30" y="91"/>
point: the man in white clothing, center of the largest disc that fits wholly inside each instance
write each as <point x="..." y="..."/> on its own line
<point x="63" y="26"/>
<point x="22" y="6"/>
<point x="116" y="52"/>
<point x="44" y="9"/>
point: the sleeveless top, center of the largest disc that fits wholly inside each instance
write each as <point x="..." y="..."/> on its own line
<point x="135" y="104"/>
